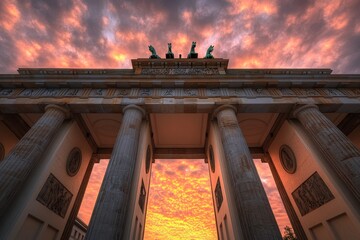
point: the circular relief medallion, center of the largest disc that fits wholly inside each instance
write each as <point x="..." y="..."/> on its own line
<point x="73" y="162"/>
<point x="211" y="159"/>
<point x="287" y="158"/>
<point x="2" y="152"/>
<point x="148" y="159"/>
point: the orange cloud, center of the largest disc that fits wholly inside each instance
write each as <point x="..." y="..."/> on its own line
<point x="180" y="204"/>
<point x="9" y="16"/>
<point x="92" y="191"/>
<point x="272" y="194"/>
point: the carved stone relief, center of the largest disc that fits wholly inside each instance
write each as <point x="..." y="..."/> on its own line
<point x="190" y="92"/>
<point x="73" y="162"/>
<point x="312" y="194"/>
<point x="181" y="71"/>
<point x="122" y="92"/>
<point x="218" y="195"/>
<point x="213" y="92"/>
<point x="287" y="159"/>
<point x="145" y="92"/>
<point x="98" y="92"/>
<point x="55" y="196"/>
<point x="168" y="92"/>
<point x="181" y="92"/>
<point x="6" y="92"/>
<point x="142" y="196"/>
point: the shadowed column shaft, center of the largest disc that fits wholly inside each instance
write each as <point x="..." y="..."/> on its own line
<point x="18" y="164"/>
<point x="256" y="218"/>
<point x="336" y="149"/>
<point x="108" y="219"/>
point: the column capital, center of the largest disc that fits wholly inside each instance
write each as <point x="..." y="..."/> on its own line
<point x="132" y="106"/>
<point x="301" y="108"/>
<point x="221" y="108"/>
<point x="57" y="107"/>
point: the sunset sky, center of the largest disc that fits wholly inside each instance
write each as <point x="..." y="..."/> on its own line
<point x="109" y="33"/>
<point x="180" y="204"/>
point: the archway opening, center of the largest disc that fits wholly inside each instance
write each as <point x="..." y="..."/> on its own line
<point x="272" y="194"/>
<point x="180" y="202"/>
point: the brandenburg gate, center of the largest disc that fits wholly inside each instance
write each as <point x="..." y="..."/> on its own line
<point x="57" y="123"/>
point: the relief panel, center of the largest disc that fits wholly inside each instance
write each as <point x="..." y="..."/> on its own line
<point x="312" y="194"/>
<point x="55" y="196"/>
<point x="218" y="195"/>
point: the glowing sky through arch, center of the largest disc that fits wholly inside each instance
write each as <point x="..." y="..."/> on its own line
<point x="180" y="204"/>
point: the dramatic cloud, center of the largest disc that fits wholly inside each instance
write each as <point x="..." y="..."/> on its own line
<point x="107" y="34"/>
<point x="273" y="195"/>
<point x="92" y="191"/>
<point x="180" y="203"/>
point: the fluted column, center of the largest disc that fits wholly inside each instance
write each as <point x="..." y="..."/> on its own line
<point x="18" y="164"/>
<point x="256" y="217"/>
<point x="108" y="219"/>
<point x="335" y="148"/>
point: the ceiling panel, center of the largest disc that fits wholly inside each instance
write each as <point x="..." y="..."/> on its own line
<point x="185" y="130"/>
<point x="104" y="127"/>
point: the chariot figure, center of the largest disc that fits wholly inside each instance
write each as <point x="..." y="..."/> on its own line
<point x="169" y="54"/>
<point x="192" y="53"/>
<point x="153" y="52"/>
<point x="208" y="52"/>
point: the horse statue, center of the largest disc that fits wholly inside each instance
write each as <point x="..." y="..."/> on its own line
<point x="169" y="54"/>
<point x="192" y="53"/>
<point x="208" y="52"/>
<point x="153" y="52"/>
<point x="169" y="48"/>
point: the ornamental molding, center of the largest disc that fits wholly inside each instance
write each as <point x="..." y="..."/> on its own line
<point x="176" y="92"/>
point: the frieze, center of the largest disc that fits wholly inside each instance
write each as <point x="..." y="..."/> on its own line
<point x="177" y="92"/>
<point x="312" y="194"/>
<point x="98" y="92"/>
<point x="180" y="71"/>
<point x="168" y="92"/>
<point x="55" y="196"/>
<point x="190" y="92"/>
<point x="122" y="92"/>
<point x="6" y="92"/>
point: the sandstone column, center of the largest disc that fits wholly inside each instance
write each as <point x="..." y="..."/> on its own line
<point x="108" y="219"/>
<point x="335" y="148"/>
<point x="256" y="218"/>
<point x="26" y="154"/>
